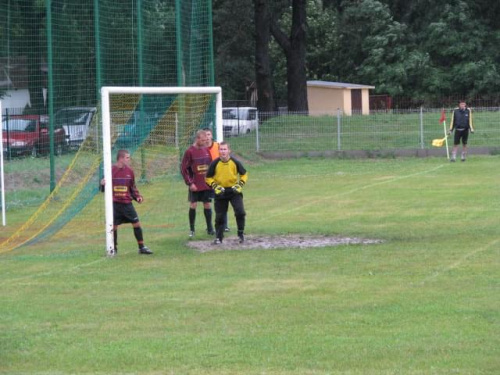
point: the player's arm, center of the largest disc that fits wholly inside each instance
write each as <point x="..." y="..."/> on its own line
<point x="452" y="122"/>
<point x="243" y="179"/>
<point x="186" y="168"/>
<point x="242" y="172"/>
<point x="134" y="192"/>
<point x="210" y="177"/>
<point x="470" y="121"/>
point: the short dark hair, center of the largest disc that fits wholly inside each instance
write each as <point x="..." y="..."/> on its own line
<point x="121" y="154"/>
<point x="199" y="133"/>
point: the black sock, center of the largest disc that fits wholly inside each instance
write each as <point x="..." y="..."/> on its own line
<point x="115" y="238"/>
<point x="138" y="236"/>
<point x="208" y="218"/>
<point x="192" y="218"/>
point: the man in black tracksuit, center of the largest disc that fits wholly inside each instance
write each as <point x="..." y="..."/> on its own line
<point x="461" y="122"/>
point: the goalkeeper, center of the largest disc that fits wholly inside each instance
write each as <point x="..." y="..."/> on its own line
<point x="227" y="176"/>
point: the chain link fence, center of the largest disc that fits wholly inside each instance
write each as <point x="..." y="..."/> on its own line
<point x="398" y="131"/>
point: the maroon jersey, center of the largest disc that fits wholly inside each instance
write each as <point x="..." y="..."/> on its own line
<point x="124" y="189"/>
<point x="194" y="166"/>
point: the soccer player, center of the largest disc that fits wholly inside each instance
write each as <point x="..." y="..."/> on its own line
<point x="194" y="167"/>
<point x="124" y="192"/>
<point x="227" y="176"/>
<point x="213" y="148"/>
<point x="461" y="122"/>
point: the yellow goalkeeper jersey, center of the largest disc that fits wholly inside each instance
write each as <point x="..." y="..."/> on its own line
<point x="226" y="174"/>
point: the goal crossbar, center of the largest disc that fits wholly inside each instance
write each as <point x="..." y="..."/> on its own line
<point x="106" y="91"/>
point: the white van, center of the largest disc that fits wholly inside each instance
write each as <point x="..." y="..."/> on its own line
<point x="76" y="122"/>
<point x="239" y="120"/>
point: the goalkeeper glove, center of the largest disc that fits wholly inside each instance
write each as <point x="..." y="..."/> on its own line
<point x="218" y="189"/>
<point x="237" y="189"/>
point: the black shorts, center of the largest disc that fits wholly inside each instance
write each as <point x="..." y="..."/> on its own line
<point x="461" y="134"/>
<point x="124" y="213"/>
<point x="204" y="196"/>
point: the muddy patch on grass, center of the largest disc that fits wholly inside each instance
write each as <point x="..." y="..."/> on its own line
<point x="279" y="242"/>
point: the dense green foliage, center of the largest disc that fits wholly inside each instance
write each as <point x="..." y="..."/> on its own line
<point x="419" y="49"/>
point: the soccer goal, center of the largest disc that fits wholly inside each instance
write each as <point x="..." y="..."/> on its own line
<point x="154" y="124"/>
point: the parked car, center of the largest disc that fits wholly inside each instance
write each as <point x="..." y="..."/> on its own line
<point x="76" y="122"/>
<point x="239" y="120"/>
<point x="29" y="135"/>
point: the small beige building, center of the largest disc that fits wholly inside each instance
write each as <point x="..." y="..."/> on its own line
<point x="328" y="97"/>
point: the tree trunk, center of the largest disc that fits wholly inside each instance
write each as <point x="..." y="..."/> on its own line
<point x="32" y="22"/>
<point x="263" y="77"/>
<point x="294" y="47"/>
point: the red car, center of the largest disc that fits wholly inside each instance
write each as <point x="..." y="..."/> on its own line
<point x="29" y="135"/>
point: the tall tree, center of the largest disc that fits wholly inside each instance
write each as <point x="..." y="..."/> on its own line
<point x="32" y="24"/>
<point x="294" y="47"/>
<point x="234" y="46"/>
<point x="455" y="42"/>
<point x="263" y="75"/>
<point x="373" y="45"/>
<point x="322" y="42"/>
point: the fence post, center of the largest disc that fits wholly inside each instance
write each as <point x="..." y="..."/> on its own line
<point x="2" y="180"/>
<point x="421" y="128"/>
<point x="7" y="133"/>
<point x="257" y="145"/>
<point x="176" y="131"/>
<point x="339" y="147"/>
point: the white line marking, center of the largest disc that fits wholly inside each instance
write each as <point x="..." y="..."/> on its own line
<point x="459" y="262"/>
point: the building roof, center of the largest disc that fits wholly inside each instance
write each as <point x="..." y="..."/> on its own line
<point x="338" y="85"/>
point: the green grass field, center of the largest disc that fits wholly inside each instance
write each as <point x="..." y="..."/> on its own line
<point x="425" y="301"/>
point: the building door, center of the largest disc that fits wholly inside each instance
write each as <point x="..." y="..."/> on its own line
<point x="356" y="101"/>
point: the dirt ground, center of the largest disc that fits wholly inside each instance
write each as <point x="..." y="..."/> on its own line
<point x="277" y="242"/>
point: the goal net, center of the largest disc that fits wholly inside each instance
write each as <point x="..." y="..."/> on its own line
<point x="155" y="124"/>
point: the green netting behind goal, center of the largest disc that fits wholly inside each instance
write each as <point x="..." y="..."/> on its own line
<point x="62" y="55"/>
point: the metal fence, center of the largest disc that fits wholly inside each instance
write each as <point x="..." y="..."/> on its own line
<point x="412" y="129"/>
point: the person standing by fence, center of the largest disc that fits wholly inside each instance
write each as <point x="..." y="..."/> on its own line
<point x="461" y="122"/>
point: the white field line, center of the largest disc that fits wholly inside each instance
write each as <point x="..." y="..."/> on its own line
<point x="19" y="280"/>
<point x="460" y="261"/>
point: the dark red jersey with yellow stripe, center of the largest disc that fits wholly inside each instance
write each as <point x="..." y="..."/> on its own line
<point x="194" y="166"/>
<point x="124" y="189"/>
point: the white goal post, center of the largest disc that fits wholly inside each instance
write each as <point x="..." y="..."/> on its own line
<point x="106" y="135"/>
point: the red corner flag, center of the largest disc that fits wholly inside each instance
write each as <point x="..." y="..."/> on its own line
<point x="443" y="117"/>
